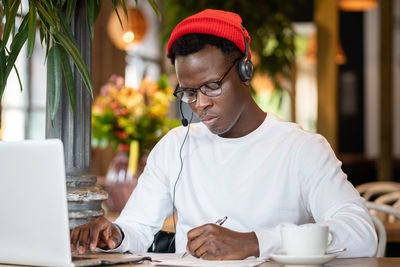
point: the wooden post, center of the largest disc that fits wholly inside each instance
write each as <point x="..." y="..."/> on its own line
<point x="292" y="92"/>
<point x="106" y="60"/>
<point x="386" y="54"/>
<point x="326" y="20"/>
<point x="1" y="129"/>
<point x="74" y="129"/>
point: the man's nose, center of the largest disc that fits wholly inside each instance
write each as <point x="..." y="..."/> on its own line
<point x="202" y="100"/>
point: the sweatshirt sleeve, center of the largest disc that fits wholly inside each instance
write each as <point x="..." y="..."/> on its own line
<point x="330" y="199"/>
<point x="148" y="206"/>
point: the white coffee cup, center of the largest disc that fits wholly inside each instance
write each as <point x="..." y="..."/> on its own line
<point x="306" y="240"/>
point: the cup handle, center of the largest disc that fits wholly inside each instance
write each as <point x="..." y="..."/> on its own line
<point x="332" y="239"/>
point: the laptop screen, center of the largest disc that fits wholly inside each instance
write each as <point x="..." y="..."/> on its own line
<point x="33" y="204"/>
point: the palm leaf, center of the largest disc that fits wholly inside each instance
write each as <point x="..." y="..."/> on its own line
<point x="3" y="78"/>
<point x="65" y="26"/>
<point x="32" y="27"/>
<point x="69" y="77"/>
<point x="74" y="53"/>
<point x="16" y="45"/>
<point x="63" y="2"/>
<point x="123" y="4"/>
<point x="97" y="8"/>
<point x="1" y="12"/>
<point x="90" y="9"/>
<point x="18" y="77"/>
<point x="41" y="32"/>
<point x="71" y="4"/>
<point x="53" y="81"/>
<point x="155" y="8"/>
<point x="16" y="72"/>
<point x="22" y="28"/>
<point x="115" y="3"/>
<point x="48" y="41"/>
<point x="11" y="12"/>
<point x="46" y="15"/>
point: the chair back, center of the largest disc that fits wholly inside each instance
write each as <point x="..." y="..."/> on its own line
<point x="379" y="226"/>
<point x="392" y="199"/>
<point x="373" y="189"/>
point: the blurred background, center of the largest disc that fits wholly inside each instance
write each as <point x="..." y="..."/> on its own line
<point x="318" y="63"/>
<point x="331" y="66"/>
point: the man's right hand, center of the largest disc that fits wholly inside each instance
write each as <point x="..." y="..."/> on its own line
<point x="98" y="233"/>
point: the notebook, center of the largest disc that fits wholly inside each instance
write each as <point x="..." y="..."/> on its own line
<point x="34" y="227"/>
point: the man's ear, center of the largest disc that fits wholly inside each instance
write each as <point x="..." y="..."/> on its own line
<point x="248" y="82"/>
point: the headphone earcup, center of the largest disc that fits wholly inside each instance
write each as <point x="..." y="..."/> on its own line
<point x="245" y="69"/>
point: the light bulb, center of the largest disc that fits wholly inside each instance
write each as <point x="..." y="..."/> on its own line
<point x="128" y="37"/>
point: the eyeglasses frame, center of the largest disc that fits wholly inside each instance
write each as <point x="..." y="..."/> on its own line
<point x="179" y="89"/>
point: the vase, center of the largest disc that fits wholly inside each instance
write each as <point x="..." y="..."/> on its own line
<point x="121" y="180"/>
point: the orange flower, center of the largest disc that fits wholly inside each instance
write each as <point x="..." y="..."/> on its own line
<point x="122" y="114"/>
<point x="122" y="134"/>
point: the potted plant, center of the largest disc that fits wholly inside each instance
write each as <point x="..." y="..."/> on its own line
<point x="53" y="19"/>
<point x="58" y="21"/>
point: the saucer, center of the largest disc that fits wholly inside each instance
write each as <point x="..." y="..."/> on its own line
<point x="302" y="260"/>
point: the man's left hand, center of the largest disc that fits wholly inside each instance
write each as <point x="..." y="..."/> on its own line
<point x="213" y="242"/>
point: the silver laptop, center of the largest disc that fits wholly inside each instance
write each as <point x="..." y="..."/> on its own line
<point x="34" y="226"/>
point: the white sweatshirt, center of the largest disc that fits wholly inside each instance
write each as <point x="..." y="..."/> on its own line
<point x="277" y="173"/>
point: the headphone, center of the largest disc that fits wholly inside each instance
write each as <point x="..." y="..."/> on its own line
<point x="245" y="66"/>
<point x="184" y="121"/>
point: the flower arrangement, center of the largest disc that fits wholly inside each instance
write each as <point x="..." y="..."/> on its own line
<point x="121" y="114"/>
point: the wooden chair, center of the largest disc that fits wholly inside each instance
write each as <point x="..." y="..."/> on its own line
<point x="382" y="236"/>
<point x="370" y="190"/>
<point x="392" y="199"/>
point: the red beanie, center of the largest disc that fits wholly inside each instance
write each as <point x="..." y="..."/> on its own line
<point x="214" y="22"/>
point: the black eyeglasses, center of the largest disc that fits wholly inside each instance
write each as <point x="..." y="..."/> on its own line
<point x="211" y="89"/>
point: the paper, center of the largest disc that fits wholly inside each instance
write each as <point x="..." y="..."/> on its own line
<point x="175" y="259"/>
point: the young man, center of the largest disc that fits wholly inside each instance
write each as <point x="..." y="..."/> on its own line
<point x="239" y="162"/>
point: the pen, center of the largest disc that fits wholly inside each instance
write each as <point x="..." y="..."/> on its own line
<point x="219" y="222"/>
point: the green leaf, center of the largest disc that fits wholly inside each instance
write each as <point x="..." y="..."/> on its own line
<point x="18" y="77"/>
<point x="46" y="16"/>
<point x="65" y="26"/>
<point x="45" y="27"/>
<point x="1" y="13"/>
<point x="63" y="2"/>
<point x="155" y="8"/>
<point x="115" y="3"/>
<point x="22" y="28"/>
<point x="3" y="79"/>
<point x="123" y="4"/>
<point x="41" y="32"/>
<point x="69" y="77"/>
<point x="74" y="53"/>
<point x="16" y="45"/>
<point x="97" y="8"/>
<point x="89" y="6"/>
<point x="53" y="81"/>
<point x="32" y="27"/>
<point x="50" y="6"/>
<point x="48" y="40"/>
<point x="10" y="19"/>
<point x="71" y="4"/>
<point x="16" y="71"/>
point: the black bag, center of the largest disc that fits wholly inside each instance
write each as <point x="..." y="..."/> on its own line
<point x="164" y="242"/>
